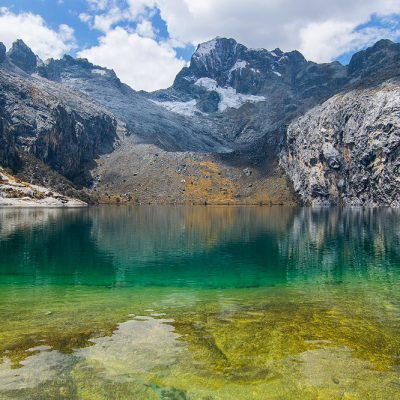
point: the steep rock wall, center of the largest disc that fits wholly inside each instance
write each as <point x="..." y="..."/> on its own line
<point x="347" y="151"/>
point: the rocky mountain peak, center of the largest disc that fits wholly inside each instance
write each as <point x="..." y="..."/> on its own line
<point x="22" y="56"/>
<point x="246" y="70"/>
<point x="377" y="62"/>
<point x="216" y="55"/>
<point x="76" y="68"/>
<point x="215" y="47"/>
<point x="381" y="44"/>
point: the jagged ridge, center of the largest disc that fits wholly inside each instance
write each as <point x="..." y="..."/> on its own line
<point x="229" y="110"/>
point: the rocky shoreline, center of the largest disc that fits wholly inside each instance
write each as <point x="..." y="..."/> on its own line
<point x="16" y="193"/>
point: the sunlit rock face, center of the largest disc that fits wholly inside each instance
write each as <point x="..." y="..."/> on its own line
<point x="346" y="151"/>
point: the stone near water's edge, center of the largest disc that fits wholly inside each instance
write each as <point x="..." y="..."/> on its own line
<point x="15" y="193"/>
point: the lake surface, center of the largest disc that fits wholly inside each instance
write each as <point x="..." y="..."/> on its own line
<point x="202" y="303"/>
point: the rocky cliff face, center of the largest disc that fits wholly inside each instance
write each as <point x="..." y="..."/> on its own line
<point x="216" y="134"/>
<point x="64" y="130"/>
<point x="23" y="57"/>
<point x="8" y="152"/>
<point x="347" y="151"/>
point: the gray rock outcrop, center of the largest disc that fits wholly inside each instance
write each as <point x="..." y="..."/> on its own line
<point x="22" y="56"/>
<point x="347" y="151"/>
<point x="8" y="152"/>
<point x="65" y="130"/>
<point x="2" y="52"/>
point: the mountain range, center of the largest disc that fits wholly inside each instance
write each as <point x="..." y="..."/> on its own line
<point x="238" y="126"/>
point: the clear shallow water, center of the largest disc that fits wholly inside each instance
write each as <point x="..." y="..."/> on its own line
<point x="199" y="303"/>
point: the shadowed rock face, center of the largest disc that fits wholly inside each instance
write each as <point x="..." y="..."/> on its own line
<point x="22" y="56"/>
<point x="61" y="128"/>
<point x="376" y="64"/>
<point x="8" y="152"/>
<point x="257" y="71"/>
<point x="2" y="52"/>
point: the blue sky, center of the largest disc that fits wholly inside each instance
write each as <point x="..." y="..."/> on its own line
<point x="67" y="12"/>
<point x="148" y="41"/>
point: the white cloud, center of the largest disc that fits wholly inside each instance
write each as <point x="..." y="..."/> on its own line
<point x="289" y="24"/>
<point x="323" y="41"/>
<point x="104" y="22"/>
<point x="98" y="4"/>
<point x="141" y="62"/>
<point x="84" y="17"/>
<point x="32" y="29"/>
<point x="140" y="7"/>
<point x="145" y="29"/>
<point x="320" y="30"/>
<point x="104" y="15"/>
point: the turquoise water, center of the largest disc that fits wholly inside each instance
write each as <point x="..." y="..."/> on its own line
<point x="199" y="303"/>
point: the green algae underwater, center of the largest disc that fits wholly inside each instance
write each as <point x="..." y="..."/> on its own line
<point x="199" y="303"/>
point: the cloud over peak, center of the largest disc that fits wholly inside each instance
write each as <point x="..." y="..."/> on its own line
<point x="32" y="28"/>
<point x="139" y="61"/>
<point x="147" y="42"/>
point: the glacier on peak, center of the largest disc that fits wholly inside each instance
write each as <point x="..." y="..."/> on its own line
<point x="229" y="98"/>
<point x="187" y="108"/>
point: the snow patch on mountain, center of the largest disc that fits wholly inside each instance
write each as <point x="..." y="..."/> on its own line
<point x="99" y="72"/>
<point x="228" y="95"/>
<point x="205" y="49"/>
<point x="187" y="108"/>
<point x="238" y="66"/>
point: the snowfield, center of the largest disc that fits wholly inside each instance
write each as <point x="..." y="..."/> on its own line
<point x="228" y="95"/>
